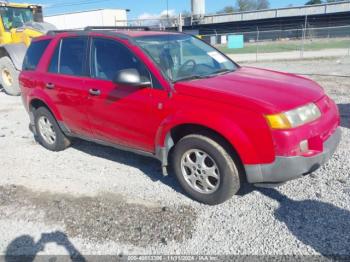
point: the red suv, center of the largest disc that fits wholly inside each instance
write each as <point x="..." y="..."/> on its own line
<point x="176" y="98"/>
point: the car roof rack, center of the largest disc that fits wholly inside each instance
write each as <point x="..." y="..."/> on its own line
<point x="55" y="32"/>
<point x="107" y="30"/>
<point x="97" y="28"/>
<point x="136" y="28"/>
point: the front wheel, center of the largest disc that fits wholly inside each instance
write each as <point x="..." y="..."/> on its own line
<point x="9" y="77"/>
<point x="205" y="170"/>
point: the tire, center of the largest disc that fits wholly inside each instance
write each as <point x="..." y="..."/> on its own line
<point x="9" y="77"/>
<point x="44" y="121"/>
<point x="214" y="157"/>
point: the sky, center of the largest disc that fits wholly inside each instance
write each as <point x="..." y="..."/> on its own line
<point x="141" y="8"/>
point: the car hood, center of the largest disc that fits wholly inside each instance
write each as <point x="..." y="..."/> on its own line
<point x="267" y="90"/>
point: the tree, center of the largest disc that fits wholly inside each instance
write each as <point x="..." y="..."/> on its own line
<point x="314" y="2"/>
<point x="262" y="4"/>
<point x="250" y="5"/>
<point x="245" y="5"/>
<point x="227" y="9"/>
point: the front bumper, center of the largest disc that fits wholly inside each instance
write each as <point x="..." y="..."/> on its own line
<point x="288" y="168"/>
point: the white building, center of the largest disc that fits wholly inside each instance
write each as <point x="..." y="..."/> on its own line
<point x="78" y="20"/>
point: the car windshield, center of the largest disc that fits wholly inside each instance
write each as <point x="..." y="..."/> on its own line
<point x="15" y="17"/>
<point x="183" y="57"/>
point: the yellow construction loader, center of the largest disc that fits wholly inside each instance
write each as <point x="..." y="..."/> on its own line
<point x="19" y="23"/>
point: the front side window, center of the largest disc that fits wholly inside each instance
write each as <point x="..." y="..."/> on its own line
<point x="34" y="54"/>
<point x="15" y="17"/>
<point x="183" y="57"/>
<point x="69" y="57"/>
<point x="108" y="57"/>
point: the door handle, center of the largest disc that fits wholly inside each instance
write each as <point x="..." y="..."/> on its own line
<point x="95" y="92"/>
<point x="50" y="86"/>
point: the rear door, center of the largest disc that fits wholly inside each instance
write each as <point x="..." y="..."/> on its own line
<point x="64" y="82"/>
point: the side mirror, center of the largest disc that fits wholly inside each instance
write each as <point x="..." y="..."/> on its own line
<point x="130" y="77"/>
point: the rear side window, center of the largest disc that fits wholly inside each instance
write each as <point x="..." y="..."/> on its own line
<point x="34" y="54"/>
<point x="69" y="57"/>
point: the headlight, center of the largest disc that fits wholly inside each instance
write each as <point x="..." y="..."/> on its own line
<point x="294" y="118"/>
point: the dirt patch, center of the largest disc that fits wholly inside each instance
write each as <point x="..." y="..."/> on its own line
<point x="106" y="216"/>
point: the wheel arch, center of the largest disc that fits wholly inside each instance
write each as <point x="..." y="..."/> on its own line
<point x="44" y="100"/>
<point x="231" y="137"/>
<point x="36" y="103"/>
<point x="182" y="130"/>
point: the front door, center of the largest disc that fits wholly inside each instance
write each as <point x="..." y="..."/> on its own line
<point x="119" y="114"/>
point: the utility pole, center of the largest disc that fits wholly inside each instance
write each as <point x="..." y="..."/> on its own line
<point x="257" y="43"/>
<point x="304" y="38"/>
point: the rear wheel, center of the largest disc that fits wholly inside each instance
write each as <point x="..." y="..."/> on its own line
<point x="9" y="77"/>
<point x="49" y="133"/>
<point x="205" y="170"/>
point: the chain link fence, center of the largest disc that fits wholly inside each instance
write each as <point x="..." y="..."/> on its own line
<point x="272" y="41"/>
<point x="303" y="39"/>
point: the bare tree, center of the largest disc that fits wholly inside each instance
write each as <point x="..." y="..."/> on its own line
<point x="227" y="9"/>
<point x="262" y="4"/>
<point x="245" y="5"/>
<point x="250" y="5"/>
<point x="314" y="2"/>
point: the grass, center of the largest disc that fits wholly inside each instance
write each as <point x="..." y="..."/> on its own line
<point x="285" y="46"/>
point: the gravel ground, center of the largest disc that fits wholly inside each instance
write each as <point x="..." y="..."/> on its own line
<point x="95" y="200"/>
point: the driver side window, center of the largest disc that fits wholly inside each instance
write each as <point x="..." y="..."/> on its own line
<point x="108" y="57"/>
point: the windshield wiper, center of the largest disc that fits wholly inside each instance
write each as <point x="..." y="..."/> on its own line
<point x="193" y="77"/>
<point x="221" y="71"/>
